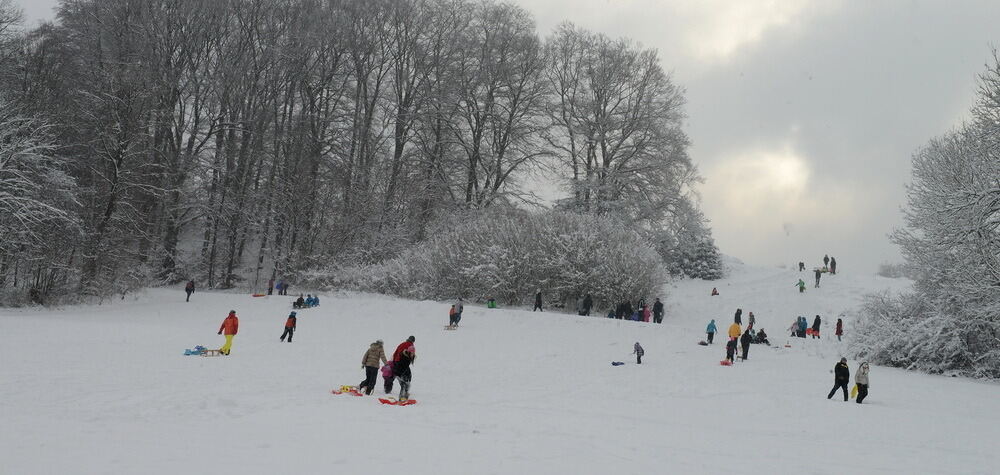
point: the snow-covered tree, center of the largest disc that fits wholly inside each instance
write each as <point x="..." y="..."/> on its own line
<point x="951" y="242"/>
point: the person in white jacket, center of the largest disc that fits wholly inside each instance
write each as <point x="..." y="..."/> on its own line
<point x="861" y="379"/>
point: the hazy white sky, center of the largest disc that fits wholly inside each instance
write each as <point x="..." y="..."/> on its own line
<point x="803" y="114"/>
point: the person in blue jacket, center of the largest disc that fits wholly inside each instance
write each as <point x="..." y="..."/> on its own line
<point x="711" y="331"/>
<point x="803" y="324"/>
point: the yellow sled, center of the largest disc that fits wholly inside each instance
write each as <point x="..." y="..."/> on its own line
<point x="854" y="391"/>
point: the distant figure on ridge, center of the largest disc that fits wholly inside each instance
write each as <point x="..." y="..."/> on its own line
<point x="658" y="311"/>
<point x="538" y="301"/>
<point x="189" y="289"/>
<point x="715" y="291"/>
<point x="833" y="266"/>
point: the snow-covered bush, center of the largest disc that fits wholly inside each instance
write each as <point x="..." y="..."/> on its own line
<point x="508" y="255"/>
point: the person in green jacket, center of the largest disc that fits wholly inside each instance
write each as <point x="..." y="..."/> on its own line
<point x="801" y="285"/>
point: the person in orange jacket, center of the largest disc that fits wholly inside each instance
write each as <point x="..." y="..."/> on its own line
<point x="289" y="327"/>
<point x="230" y="326"/>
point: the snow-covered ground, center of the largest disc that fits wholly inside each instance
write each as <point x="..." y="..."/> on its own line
<point x="105" y="389"/>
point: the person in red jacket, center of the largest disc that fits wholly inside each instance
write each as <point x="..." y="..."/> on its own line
<point x="396" y="355"/>
<point x="402" y="358"/>
<point x="230" y="326"/>
<point x="289" y="327"/>
<point x="408" y="344"/>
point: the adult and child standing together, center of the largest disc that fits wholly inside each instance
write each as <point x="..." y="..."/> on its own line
<point x="842" y="377"/>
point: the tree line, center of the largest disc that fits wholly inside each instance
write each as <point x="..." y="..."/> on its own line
<point x="151" y="141"/>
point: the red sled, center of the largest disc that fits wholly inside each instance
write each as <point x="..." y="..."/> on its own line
<point x="258" y="295"/>
<point x="726" y="363"/>
<point x="394" y="402"/>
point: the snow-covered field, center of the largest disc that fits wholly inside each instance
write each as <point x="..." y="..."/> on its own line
<point x="105" y="389"/>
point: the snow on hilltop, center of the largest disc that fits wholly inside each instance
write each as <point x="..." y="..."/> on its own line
<point x="105" y="389"/>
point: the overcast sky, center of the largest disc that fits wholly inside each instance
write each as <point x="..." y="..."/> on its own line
<point x="803" y="114"/>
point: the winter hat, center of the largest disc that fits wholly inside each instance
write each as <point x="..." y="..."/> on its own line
<point x="411" y="339"/>
<point x="291" y="314"/>
<point x="378" y="342"/>
<point x="843" y="360"/>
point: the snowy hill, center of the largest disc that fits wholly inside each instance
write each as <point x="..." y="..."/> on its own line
<point x="105" y="389"/>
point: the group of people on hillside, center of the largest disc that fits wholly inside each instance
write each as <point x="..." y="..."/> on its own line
<point x="309" y="301"/>
<point x="800" y="328"/>
<point x="829" y="265"/>
<point x="739" y="336"/>
<point x="282" y="287"/>
<point x="642" y="312"/>
<point x="397" y="369"/>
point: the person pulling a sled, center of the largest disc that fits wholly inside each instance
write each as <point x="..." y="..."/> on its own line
<point x="815" y="327"/>
<point x="289" y="327"/>
<point x="231" y="325"/>
<point x="402" y="358"/>
<point x="861" y="379"/>
<point x="370" y="363"/>
<point x="710" y="329"/>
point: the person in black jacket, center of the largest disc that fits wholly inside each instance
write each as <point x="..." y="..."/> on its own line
<point x="658" y="311"/>
<point x="739" y="315"/>
<point x="588" y="303"/>
<point x="538" y="301"/>
<point x="745" y="342"/>
<point x="815" y="327"/>
<point x="189" y="288"/>
<point x="841" y="376"/>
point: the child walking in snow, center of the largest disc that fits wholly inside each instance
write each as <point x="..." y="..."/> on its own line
<point x="711" y="331"/>
<point x="289" y="327"/>
<point x="638" y="352"/>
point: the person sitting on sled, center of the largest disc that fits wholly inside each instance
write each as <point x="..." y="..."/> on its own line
<point x="299" y="303"/>
<point x="715" y="291"/>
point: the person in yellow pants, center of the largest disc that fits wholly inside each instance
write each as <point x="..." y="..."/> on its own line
<point x="230" y="326"/>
